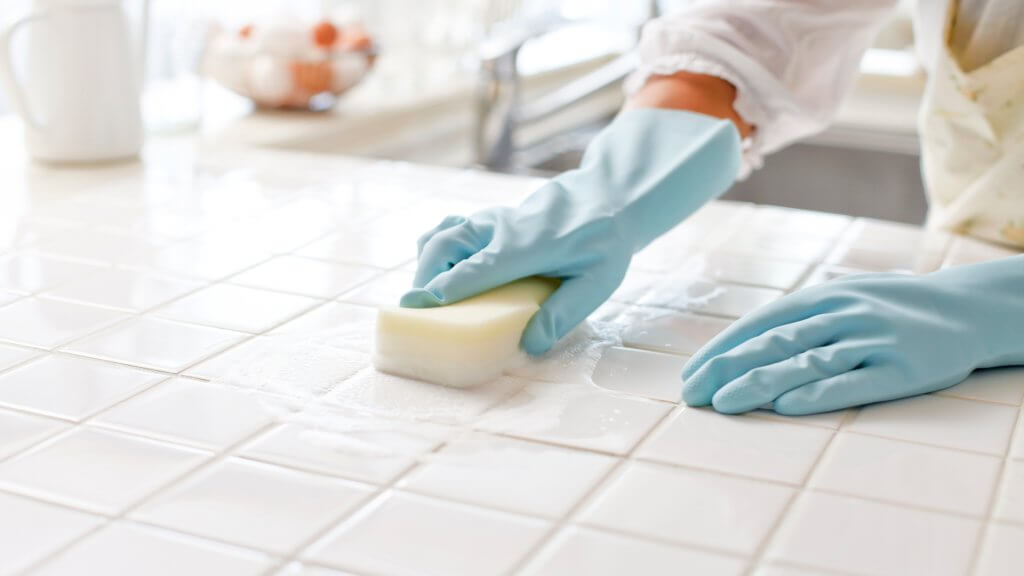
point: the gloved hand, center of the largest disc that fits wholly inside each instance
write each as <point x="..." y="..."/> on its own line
<point x="642" y="175"/>
<point x="864" y="339"/>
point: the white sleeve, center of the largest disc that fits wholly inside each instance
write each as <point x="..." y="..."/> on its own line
<point x="791" y="61"/>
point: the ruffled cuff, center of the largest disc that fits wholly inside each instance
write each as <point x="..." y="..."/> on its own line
<point x="745" y="106"/>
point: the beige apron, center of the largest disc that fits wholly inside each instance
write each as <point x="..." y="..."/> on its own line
<point x="972" y="145"/>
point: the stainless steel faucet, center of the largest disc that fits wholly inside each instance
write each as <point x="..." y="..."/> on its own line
<point x="502" y="113"/>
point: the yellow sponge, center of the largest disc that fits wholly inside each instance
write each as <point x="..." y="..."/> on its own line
<point x="463" y="344"/>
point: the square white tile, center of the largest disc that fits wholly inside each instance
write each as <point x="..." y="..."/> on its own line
<point x="578" y="550"/>
<point x="384" y="290"/>
<point x="667" y="330"/>
<point x="775" y="243"/>
<point x="489" y="542"/>
<point x="1002" y="385"/>
<point x="230" y="361"/>
<point x="157" y="343"/>
<point x="12" y="355"/>
<point x="31" y="530"/>
<point x="203" y="258"/>
<point x="810" y="223"/>
<point x="355" y="246"/>
<point x="20" y="431"/>
<point x="49" y="323"/>
<point x="128" y="290"/>
<point x="513" y="475"/>
<point x="688" y="507"/>
<point x="1010" y="499"/>
<point x="905" y="473"/>
<point x="300" y="569"/>
<point x="782" y="569"/>
<point x="851" y="535"/>
<point x="193" y="412"/>
<point x="8" y="297"/>
<point x="30" y="273"/>
<point x="19" y="232"/>
<point x="348" y="444"/>
<point x="827" y="273"/>
<point x="97" y="470"/>
<point x="297" y="370"/>
<point x="745" y="269"/>
<point x="891" y="247"/>
<point x="703" y="438"/>
<point x="337" y="324"/>
<point x="826" y="419"/>
<point x="635" y="286"/>
<point x="967" y="250"/>
<point x="278" y="510"/>
<point x="669" y="254"/>
<point x="127" y="549"/>
<point x="1002" y="554"/>
<point x="236" y="308"/>
<point x="305" y="276"/>
<point x="941" y="421"/>
<point x="698" y="295"/>
<point x="576" y="415"/>
<point x="1017" y="445"/>
<point x="641" y="372"/>
<point x="94" y="246"/>
<point x="404" y="398"/>
<point x="71" y="387"/>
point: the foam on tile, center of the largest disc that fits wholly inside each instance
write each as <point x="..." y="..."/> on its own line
<point x="364" y="434"/>
<point x="295" y="373"/>
<point x="300" y="368"/>
<point x="574" y="358"/>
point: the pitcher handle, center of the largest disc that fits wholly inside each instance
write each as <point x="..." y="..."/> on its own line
<point x="7" y="77"/>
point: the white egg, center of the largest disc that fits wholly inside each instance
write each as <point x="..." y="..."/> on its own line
<point x="281" y="40"/>
<point x="270" y="80"/>
<point x="225" y="63"/>
<point x="346" y="71"/>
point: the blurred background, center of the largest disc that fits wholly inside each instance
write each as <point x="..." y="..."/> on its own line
<point x="516" y="86"/>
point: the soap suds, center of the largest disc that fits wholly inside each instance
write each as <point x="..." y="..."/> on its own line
<point x="574" y="358"/>
<point x="315" y="380"/>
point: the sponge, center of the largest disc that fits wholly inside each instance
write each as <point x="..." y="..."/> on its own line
<point x="462" y="344"/>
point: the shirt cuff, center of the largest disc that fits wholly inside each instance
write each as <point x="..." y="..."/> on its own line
<point x="745" y="106"/>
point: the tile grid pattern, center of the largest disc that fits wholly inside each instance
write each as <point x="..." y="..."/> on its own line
<point x="457" y="186"/>
<point x="1002" y="480"/>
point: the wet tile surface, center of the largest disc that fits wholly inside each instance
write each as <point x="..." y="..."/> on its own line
<point x="185" y="387"/>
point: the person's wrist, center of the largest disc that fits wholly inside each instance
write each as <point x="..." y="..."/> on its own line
<point x="699" y="93"/>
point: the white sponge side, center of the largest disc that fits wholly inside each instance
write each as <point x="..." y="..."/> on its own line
<point x="462" y="344"/>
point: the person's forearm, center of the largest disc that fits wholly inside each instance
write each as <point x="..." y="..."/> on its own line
<point x="693" y="92"/>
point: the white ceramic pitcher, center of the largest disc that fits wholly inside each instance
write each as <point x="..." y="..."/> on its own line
<point x="79" y="97"/>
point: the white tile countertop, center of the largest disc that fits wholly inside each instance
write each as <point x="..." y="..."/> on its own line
<point x="185" y="389"/>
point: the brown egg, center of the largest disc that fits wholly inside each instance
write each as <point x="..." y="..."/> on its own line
<point x="355" y="38"/>
<point x="325" y="34"/>
<point x="311" y="77"/>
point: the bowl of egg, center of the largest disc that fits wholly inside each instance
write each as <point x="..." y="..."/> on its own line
<point x="291" y="67"/>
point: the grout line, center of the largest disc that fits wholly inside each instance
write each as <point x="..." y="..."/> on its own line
<point x="76" y="424"/>
<point x="762" y="548"/>
<point x="758" y="557"/>
<point x="996" y="493"/>
<point x="598" y="487"/>
<point x="159" y="490"/>
<point x="930" y="445"/>
<point x="296" y="554"/>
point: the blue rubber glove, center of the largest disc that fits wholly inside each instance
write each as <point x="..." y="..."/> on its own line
<point x="642" y="175"/>
<point x="864" y="339"/>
